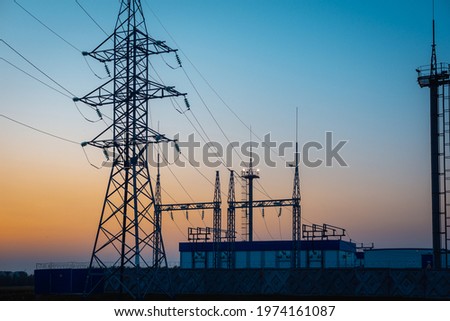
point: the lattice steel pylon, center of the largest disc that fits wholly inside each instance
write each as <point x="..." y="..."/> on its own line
<point x="128" y="235"/>
<point x="159" y="258"/>
<point x="231" y="222"/>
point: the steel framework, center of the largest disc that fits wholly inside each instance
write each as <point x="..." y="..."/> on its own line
<point x="322" y="232"/>
<point x="128" y="244"/>
<point x="158" y="244"/>
<point x="296" y="214"/>
<point x="231" y="222"/>
<point x="217" y="221"/>
<point x="437" y="78"/>
<point x="250" y="174"/>
<point x="216" y="230"/>
<point x="244" y="211"/>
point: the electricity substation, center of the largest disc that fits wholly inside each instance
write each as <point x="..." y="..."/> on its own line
<point x="129" y="258"/>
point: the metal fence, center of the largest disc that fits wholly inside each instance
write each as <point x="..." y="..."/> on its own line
<point x="306" y="283"/>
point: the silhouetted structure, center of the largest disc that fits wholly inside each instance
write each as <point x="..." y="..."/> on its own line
<point x="296" y="209"/>
<point x="128" y="243"/>
<point x="250" y="174"/>
<point x="231" y="222"/>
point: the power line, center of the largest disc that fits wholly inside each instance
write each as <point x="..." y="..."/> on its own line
<point x="179" y="229"/>
<point x="265" y="224"/>
<point x="37" y="68"/>
<point x="35" y="78"/>
<point x="179" y="182"/>
<point x="92" y="70"/>
<point x="87" y="13"/>
<point x="40" y="130"/>
<point x="87" y="119"/>
<point x="47" y="27"/>
<point x="203" y="175"/>
<point x="56" y="90"/>
<point x="208" y="140"/>
<point x="206" y="106"/>
<point x="61" y="37"/>
<point x="195" y="88"/>
<point x="89" y="161"/>
<point x="210" y="113"/>
<point x="208" y="83"/>
<point x="162" y="188"/>
<point x="67" y="42"/>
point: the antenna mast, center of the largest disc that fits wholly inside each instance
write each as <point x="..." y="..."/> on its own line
<point x="437" y="78"/>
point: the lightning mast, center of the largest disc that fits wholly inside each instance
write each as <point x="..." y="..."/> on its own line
<point x="437" y="78"/>
<point x="296" y="209"/>
<point x="231" y="222"/>
<point x="250" y="174"/>
<point x="159" y="258"/>
<point x="128" y="245"/>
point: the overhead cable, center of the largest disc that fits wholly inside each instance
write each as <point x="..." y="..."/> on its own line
<point x="87" y="13"/>
<point x="47" y="27"/>
<point x="39" y="130"/>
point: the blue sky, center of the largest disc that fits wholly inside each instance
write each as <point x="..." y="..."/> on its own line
<point x="348" y="65"/>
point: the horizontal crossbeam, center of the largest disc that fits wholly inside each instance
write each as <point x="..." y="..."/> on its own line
<point x="268" y="203"/>
<point x="211" y="205"/>
<point x="187" y="206"/>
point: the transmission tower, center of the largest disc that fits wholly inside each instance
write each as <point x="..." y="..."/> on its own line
<point x="128" y="248"/>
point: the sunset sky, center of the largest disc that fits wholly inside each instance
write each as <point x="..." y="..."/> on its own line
<point x="349" y="66"/>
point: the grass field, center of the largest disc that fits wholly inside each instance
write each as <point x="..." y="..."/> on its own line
<point x="17" y="293"/>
